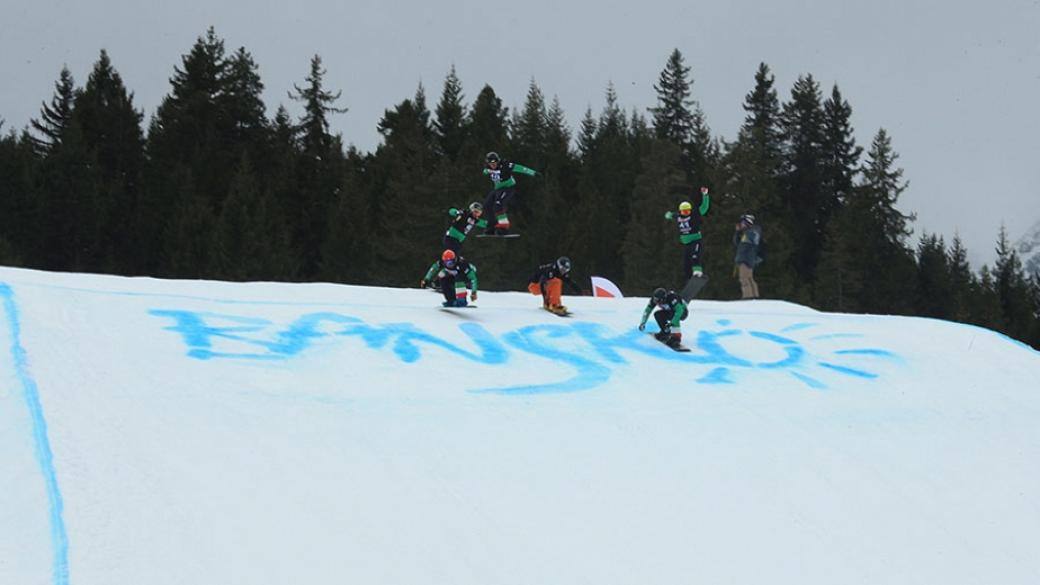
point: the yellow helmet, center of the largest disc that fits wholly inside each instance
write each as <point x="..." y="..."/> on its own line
<point x="685" y="208"/>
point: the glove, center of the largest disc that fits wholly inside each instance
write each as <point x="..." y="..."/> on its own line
<point x="422" y="283"/>
<point x="453" y="212"/>
<point x="642" y="326"/>
<point x="704" y="190"/>
<point x="668" y="215"/>
<point x="473" y="296"/>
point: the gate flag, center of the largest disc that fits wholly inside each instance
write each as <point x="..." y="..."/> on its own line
<point x="601" y="287"/>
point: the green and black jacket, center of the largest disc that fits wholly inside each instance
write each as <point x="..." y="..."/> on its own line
<point x="463" y="224"/>
<point x="459" y="270"/>
<point x="503" y="178"/>
<point x="671" y="302"/>
<point x="690" y="225"/>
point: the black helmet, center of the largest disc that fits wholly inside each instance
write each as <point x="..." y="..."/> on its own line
<point x="659" y="294"/>
<point x="564" y="264"/>
<point x="491" y="157"/>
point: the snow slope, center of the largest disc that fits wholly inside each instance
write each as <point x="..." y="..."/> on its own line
<point x="169" y="432"/>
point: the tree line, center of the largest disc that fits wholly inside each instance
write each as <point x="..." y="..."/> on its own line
<point x="216" y="188"/>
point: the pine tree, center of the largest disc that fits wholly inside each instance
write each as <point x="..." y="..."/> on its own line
<point x="961" y="277"/>
<point x="112" y="133"/>
<point x="347" y="252"/>
<point x="249" y="239"/>
<point x="487" y="126"/>
<point x="1012" y="290"/>
<point x="934" y="295"/>
<point x="19" y="201"/>
<point x="187" y="138"/>
<point x="886" y="259"/>
<point x="985" y="302"/>
<point x="56" y="117"/>
<point x="530" y="130"/>
<point x="802" y="180"/>
<point x="315" y="139"/>
<point x="674" y="112"/>
<point x="243" y="101"/>
<point x="587" y="135"/>
<point x="840" y="162"/>
<point x="412" y="211"/>
<point x="319" y="169"/>
<point x="71" y="217"/>
<point x="449" y="124"/>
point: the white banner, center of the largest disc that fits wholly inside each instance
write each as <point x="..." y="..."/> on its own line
<point x="601" y="287"/>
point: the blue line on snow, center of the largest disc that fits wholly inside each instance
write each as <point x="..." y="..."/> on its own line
<point x="59" y="538"/>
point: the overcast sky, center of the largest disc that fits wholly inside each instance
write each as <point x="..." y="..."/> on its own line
<point x="956" y="84"/>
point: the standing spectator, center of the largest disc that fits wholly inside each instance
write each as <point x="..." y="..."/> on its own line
<point x="746" y="240"/>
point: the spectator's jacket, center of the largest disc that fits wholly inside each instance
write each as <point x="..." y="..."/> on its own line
<point x="746" y="244"/>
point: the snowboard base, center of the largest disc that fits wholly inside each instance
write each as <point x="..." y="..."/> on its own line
<point x="693" y="287"/>
<point x="505" y="236"/>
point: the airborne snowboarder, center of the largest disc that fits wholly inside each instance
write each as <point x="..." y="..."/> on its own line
<point x="689" y="225"/>
<point x="501" y="196"/>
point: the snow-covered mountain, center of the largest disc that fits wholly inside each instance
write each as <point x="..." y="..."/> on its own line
<point x="171" y="432"/>
<point x="1028" y="249"/>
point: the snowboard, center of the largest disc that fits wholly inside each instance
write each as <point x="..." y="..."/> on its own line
<point x="565" y="313"/>
<point x="466" y="306"/>
<point x="693" y="286"/>
<point x="504" y="236"/>
<point x="674" y="346"/>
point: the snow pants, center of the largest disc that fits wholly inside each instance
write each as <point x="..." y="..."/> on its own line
<point x="551" y="294"/>
<point x="691" y="259"/>
<point x="452" y="289"/>
<point x="497" y="203"/>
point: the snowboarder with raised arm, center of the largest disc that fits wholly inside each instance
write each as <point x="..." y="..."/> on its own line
<point x="450" y="270"/>
<point x="548" y="280"/>
<point x="463" y="223"/>
<point x="671" y="310"/>
<point x="501" y="196"/>
<point x="689" y="226"/>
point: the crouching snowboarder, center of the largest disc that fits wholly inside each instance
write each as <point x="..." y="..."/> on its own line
<point x="450" y="270"/>
<point x="671" y="311"/>
<point x="548" y="280"/>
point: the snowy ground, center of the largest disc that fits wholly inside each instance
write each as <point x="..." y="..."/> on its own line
<point x="198" y="432"/>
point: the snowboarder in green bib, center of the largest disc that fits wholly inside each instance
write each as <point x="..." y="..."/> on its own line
<point x="689" y="224"/>
<point x="501" y="196"/>
<point x="463" y="224"/>
<point x="450" y="270"/>
<point x="671" y="310"/>
<point x="688" y="221"/>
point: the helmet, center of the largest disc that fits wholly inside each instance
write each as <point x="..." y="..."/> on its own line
<point x="475" y="207"/>
<point x="491" y="157"/>
<point x="448" y="257"/>
<point x="685" y="208"/>
<point x="659" y="294"/>
<point x="748" y="219"/>
<point x="564" y="264"/>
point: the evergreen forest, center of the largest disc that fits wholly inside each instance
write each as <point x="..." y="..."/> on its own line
<point x="214" y="186"/>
